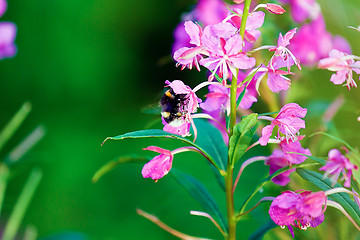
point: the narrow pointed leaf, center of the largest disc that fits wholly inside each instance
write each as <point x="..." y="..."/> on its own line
<point x="325" y="184"/>
<point x="14" y="123"/>
<point x="111" y="165"/>
<point x="210" y="139"/>
<point x="259" y="234"/>
<point x="198" y="191"/>
<point x="21" y="205"/>
<point x="157" y="133"/>
<point x="241" y="138"/>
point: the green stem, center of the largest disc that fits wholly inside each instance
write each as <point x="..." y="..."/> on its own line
<point x="230" y="203"/>
<point x="244" y="17"/>
<point x="229" y="181"/>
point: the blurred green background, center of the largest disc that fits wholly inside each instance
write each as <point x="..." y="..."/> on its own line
<point x="88" y="67"/>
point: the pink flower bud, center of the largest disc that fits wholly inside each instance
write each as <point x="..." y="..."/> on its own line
<point x="274" y="8"/>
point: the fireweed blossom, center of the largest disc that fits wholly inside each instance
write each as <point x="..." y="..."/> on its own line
<point x="178" y="103"/>
<point x="301" y="209"/>
<point x="344" y="65"/>
<point x="281" y="50"/>
<point x="276" y="80"/>
<point x="225" y="51"/>
<point x="289" y="122"/>
<point x="290" y="147"/>
<point x="161" y="164"/>
<point x="254" y="21"/>
<point x="190" y="56"/>
<point x="338" y="164"/>
<point x="313" y="42"/>
<point x="276" y="161"/>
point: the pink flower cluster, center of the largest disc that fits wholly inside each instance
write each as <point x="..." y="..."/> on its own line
<point x="7" y="35"/>
<point x="338" y="164"/>
<point x="218" y="48"/>
<point x="301" y="209"/>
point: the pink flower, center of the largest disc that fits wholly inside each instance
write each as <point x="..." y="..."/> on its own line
<point x="276" y="80"/>
<point x="160" y="165"/>
<point x="301" y="210"/>
<point x="336" y="164"/>
<point x="254" y="21"/>
<point x="3" y="7"/>
<point x="276" y="161"/>
<point x="224" y="48"/>
<point x="303" y="9"/>
<point x="7" y="38"/>
<point x="289" y="122"/>
<point x="312" y="42"/>
<point x="178" y="103"/>
<point x="290" y="147"/>
<point x="282" y="51"/>
<point x="190" y="56"/>
<point x="343" y="64"/>
<point x="210" y="12"/>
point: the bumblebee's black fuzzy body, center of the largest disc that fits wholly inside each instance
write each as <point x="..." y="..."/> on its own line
<point x="172" y="105"/>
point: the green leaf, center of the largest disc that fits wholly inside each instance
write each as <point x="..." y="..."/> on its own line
<point x="210" y="139"/>
<point x="14" y="123"/>
<point x="22" y="204"/>
<point x="259" y="234"/>
<point x="325" y="184"/>
<point x="111" y="165"/>
<point x="198" y="191"/>
<point x="157" y="133"/>
<point x="241" y="138"/>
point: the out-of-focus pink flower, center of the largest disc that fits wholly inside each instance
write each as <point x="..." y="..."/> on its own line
<point x="190" y="56"/>
<point x="290" y="147"/>
<point x="3" y="7"/>
<point x="177" y="106"/>
<point x="336" y="164"/>
<point x="210" y="12"/>
<point x="224" y="48"/>
<point x="289" y="122"/>
<point x="312" y="42"/>
<point x="276" y="161"/>
<point x="206" y="12"/>
<point x="7" y="38"/>
<point x="160" y="165"/>
<point x="254" y="21"/>
<point x="294" y="209"/>
<point x="303" y="9"/>
<point x="343" y="64"/>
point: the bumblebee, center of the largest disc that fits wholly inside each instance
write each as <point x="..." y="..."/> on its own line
<point x="172" y="105"/>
